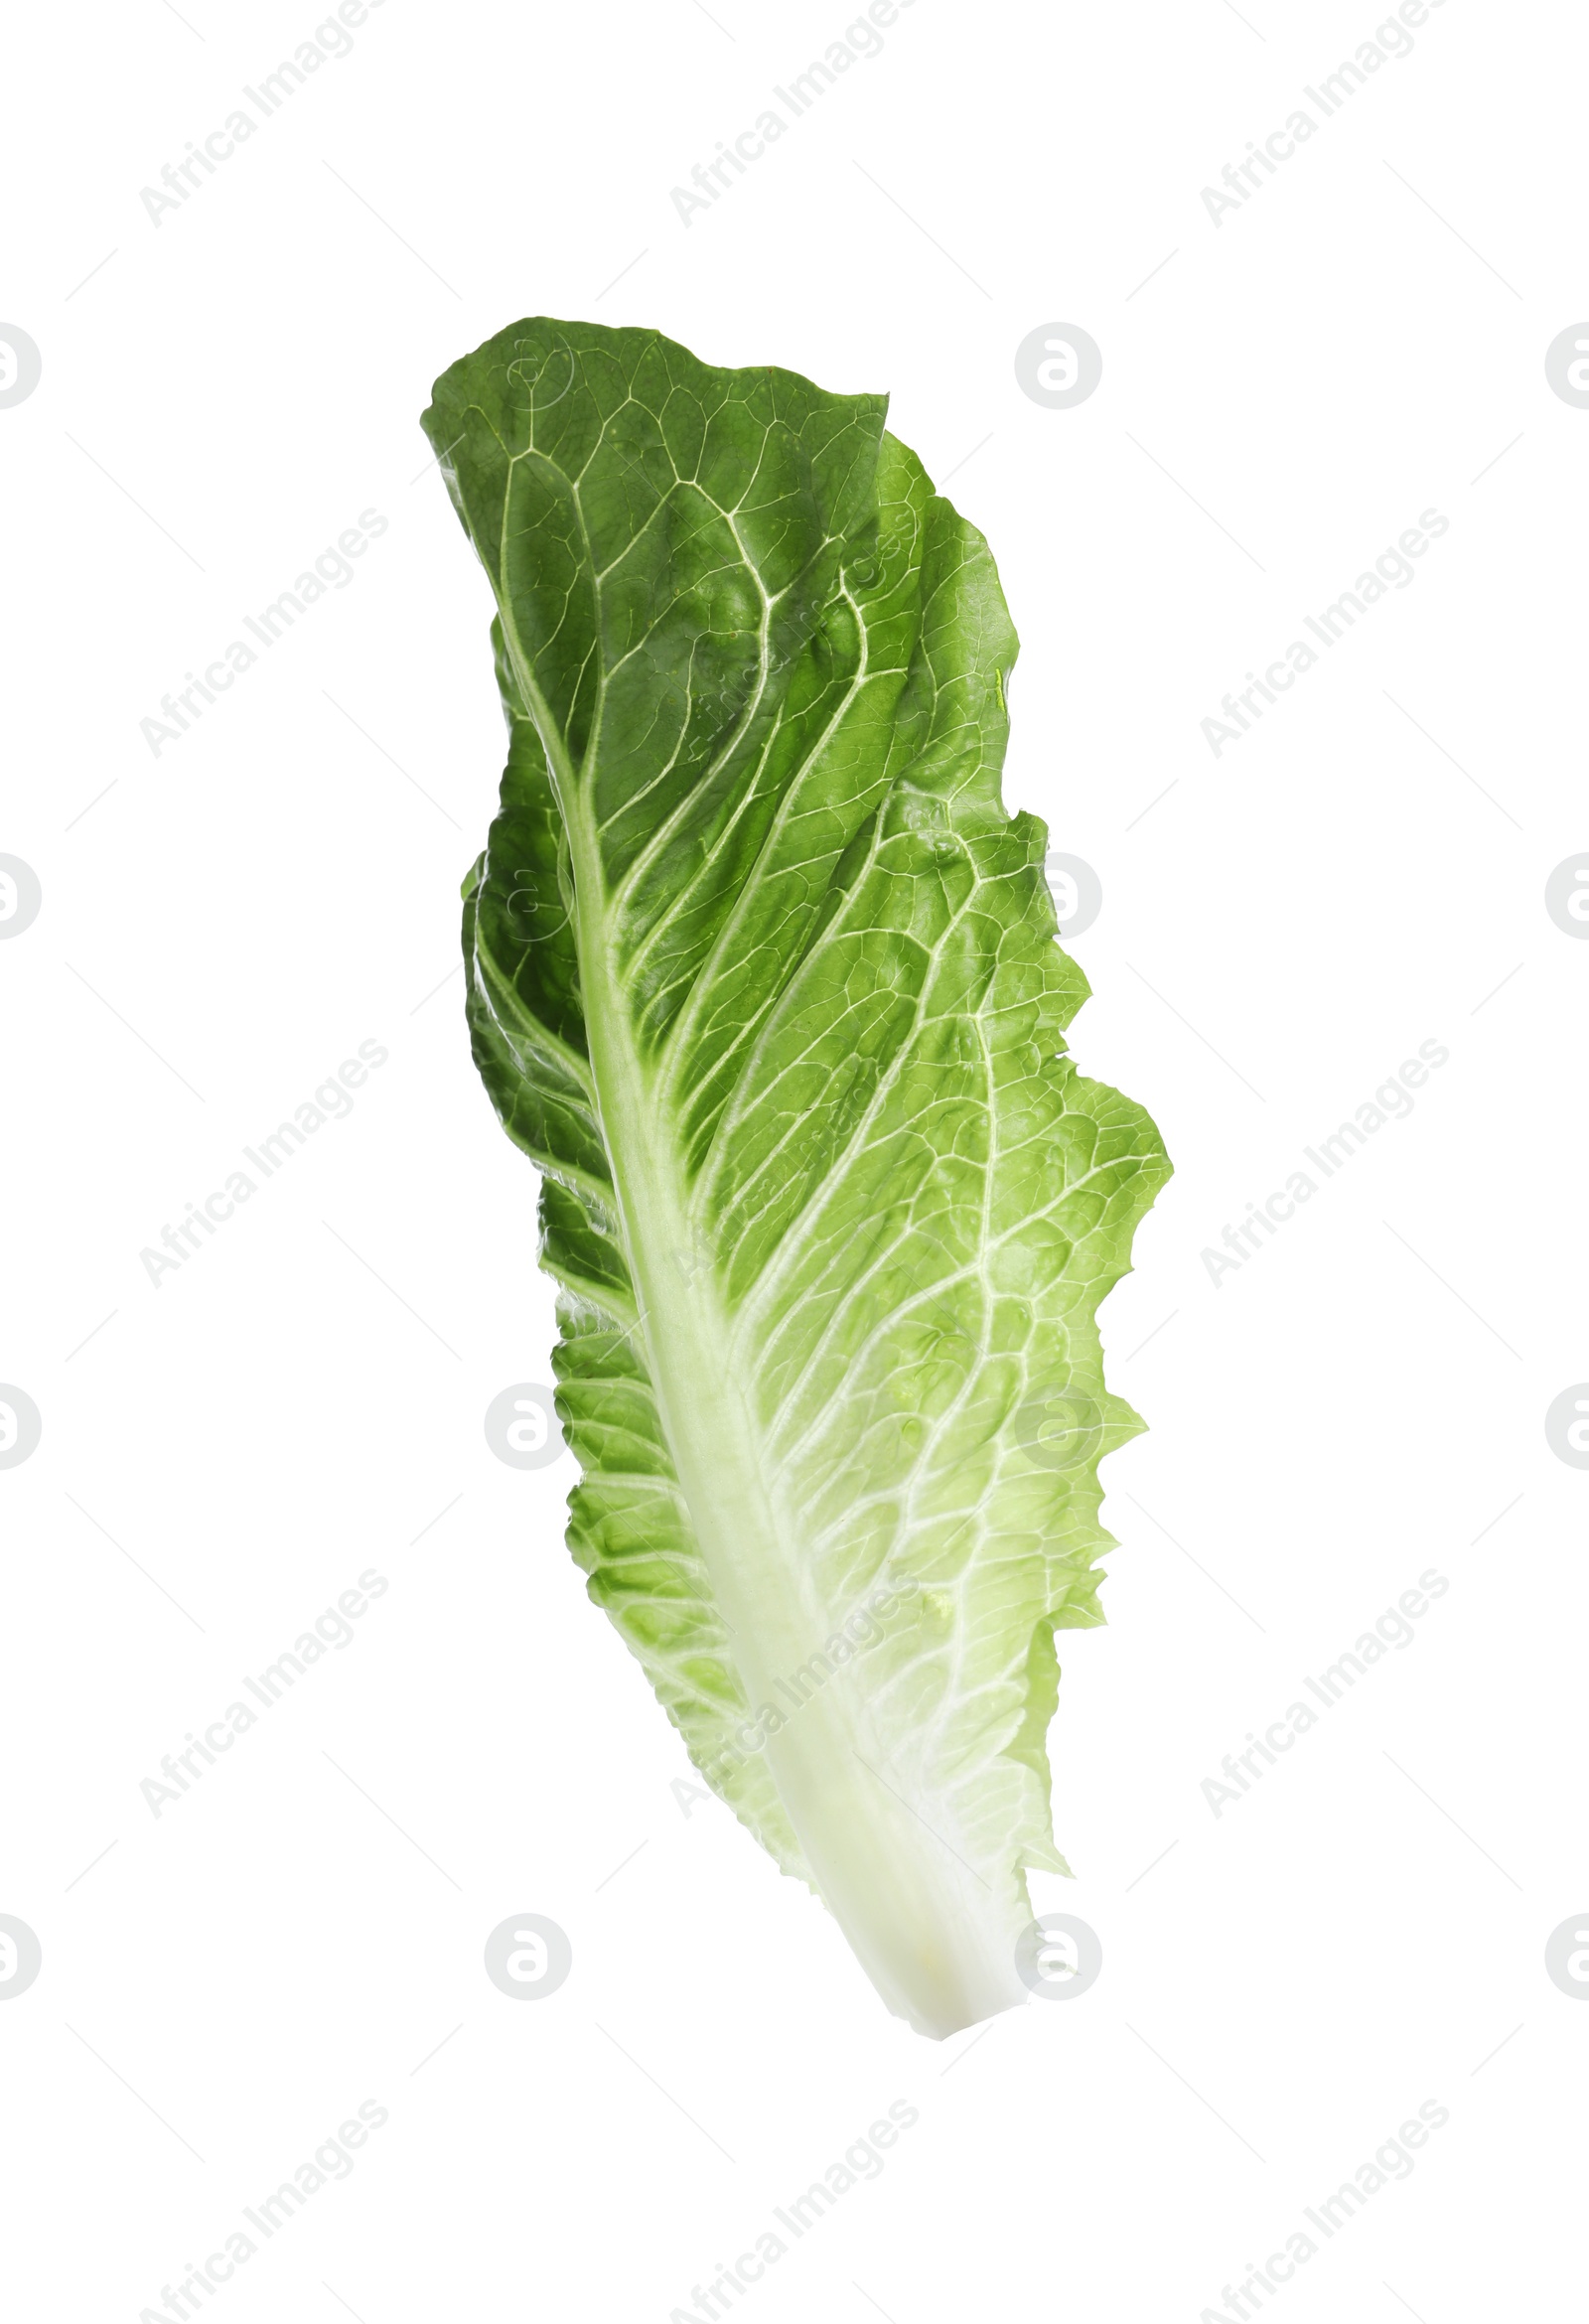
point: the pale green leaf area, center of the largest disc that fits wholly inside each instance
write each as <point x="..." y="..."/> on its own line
<point x="765" y="981"/>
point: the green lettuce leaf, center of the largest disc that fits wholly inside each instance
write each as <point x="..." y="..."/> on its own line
<point x="764" y="981"/>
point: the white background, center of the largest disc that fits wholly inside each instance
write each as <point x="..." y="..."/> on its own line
<point x="1364" y="1931"/>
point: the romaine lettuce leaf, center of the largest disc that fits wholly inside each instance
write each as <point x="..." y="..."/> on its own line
<point x="764" y="981"/>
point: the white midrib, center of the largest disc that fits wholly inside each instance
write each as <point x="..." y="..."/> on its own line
<point x="934" y="1935"/>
